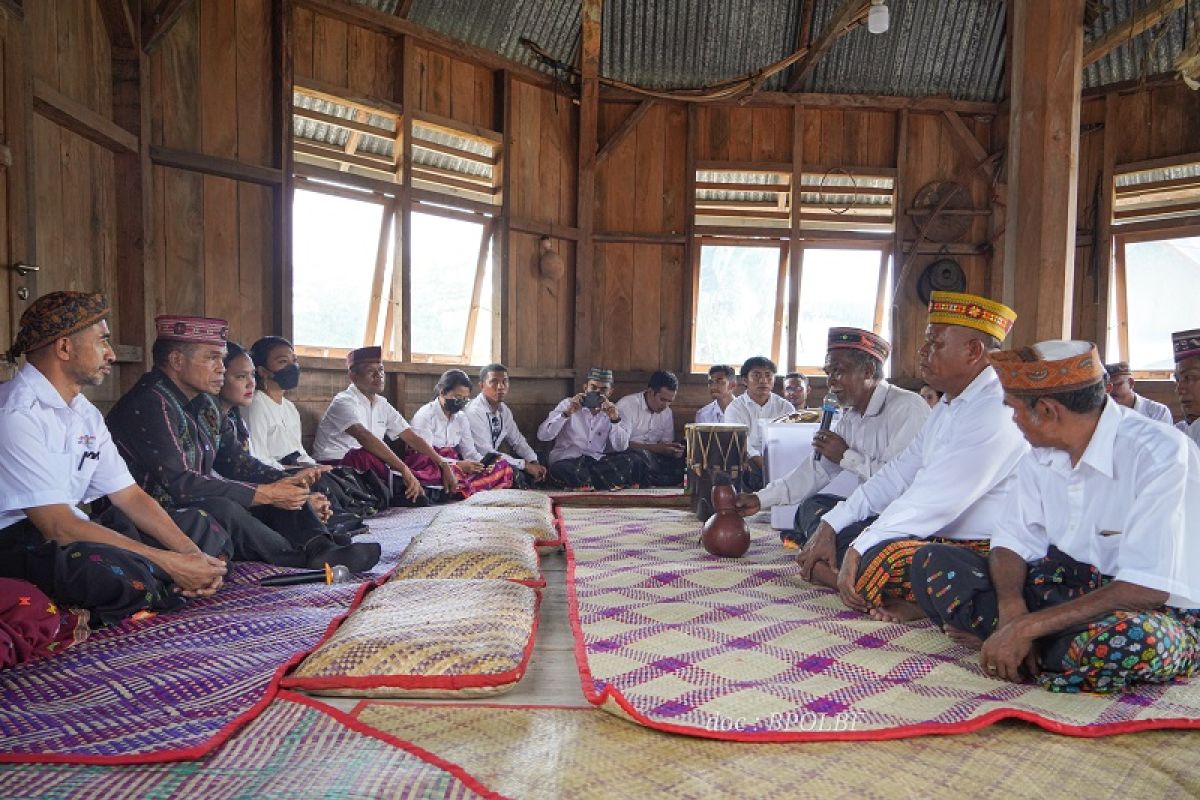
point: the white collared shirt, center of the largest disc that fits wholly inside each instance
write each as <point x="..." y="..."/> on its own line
<point x="275" y="430"/>
<point x="352" y="407"/>
<point x="893" y="418"/>
<point x="744" y="411"/>
<point x="491" y="427"/>
<point x="1152" y="409"/>
<point x="711" y="413"/>
<point x="584" y="433"/>
<point x="1130" y="507"/>
<point x="645" y="426"/>
<point x="52" y="452"/>
<point x="951" y="481"/>
<point x="1191" y="431"/>
<point x="431" y="424"/>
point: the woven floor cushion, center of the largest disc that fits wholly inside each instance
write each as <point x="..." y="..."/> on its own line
<point x="535" y="523"/>
<point x="427" y="638"/>
<point x="450" y="552"/>
<point x="509" y="498"/>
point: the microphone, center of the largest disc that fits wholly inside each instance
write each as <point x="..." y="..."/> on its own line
<point x="828" y="408"/>
<point x="334" y="574"/>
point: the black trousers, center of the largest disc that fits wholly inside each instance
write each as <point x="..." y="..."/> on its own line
<point x="270" y="534"/>
<point x="808" y="517"/>
<point x="658" y="469"/>
<point x="112" y="583"/>
<point x="613" y="471"/>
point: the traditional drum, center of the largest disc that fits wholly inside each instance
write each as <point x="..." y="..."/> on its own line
<point x="712" y="447"/>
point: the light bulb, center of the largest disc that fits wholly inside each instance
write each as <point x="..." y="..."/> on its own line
<point x="877" y="17"/>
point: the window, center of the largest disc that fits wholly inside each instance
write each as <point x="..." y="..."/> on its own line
<point x="1155" y="261"/>
<point x="747" y="301"/>
<point x="349" y="286"/>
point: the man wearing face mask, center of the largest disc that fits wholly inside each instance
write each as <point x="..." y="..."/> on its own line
<point x="590" y="443"/>
<point x="170" y="430"/>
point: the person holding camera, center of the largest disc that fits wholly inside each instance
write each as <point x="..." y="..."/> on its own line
<point x="591" y="447"/>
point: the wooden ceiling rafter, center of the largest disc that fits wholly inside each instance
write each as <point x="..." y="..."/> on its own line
<point x="1131" y="28"/>
<point x="157" y="24"/>
<point x="118" y="21"/>
<point x="841" y="23"/>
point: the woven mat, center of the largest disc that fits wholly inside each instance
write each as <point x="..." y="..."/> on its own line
<point x="552" y="753"/>
<point x="651" y="496"/>
<point x="295" y="749"/>
<point x="743" y="649"/>
<point x="176" y="685"/>
<point x="427" y="638"/>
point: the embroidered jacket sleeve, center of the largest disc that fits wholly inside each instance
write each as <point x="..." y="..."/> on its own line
<point x="234" y="462"/>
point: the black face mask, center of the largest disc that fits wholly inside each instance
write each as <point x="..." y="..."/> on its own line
<point x="453" y="404"/>
<point x="288" y="377"/>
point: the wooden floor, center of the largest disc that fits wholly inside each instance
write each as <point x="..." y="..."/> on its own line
<point x="552" y="678"/>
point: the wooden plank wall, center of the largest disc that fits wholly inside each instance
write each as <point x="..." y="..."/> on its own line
<point x="210" y="93"/>
<point x="1154" y="123"/>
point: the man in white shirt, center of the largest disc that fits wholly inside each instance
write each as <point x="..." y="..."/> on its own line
<point x="493" y="426"/>
<point x="758" y="403"/>
<point x="352" y="430"/>
<point x="1119" y="385"/>
<point x="1187" y="380"/>
<point x="949" y="484"/>
<point x="591" y="446"/>
<point x="56" y="452"/>
<point x="722" y="379"/>
<point x="1093" y="580"/>
<point x="795" y="390"/>
<point x="651" y="425"/>
<point x="878" y="421"/>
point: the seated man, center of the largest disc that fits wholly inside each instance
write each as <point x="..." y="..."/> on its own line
<point x="1093" y="580"/>
<point x="1119" y="385"/>
<point x="950" y="483"/>
<point x="55" y="453"/>
<point x="352" y="431"/>
<point x="173" y="435"/>
<point x="757" y="403"/>
<point x="493" y="426"/>
<point x="721" y="381"/>
<point x="590" y="445"/>
<point x="272" y="423"/>
<point x="878" y="422"/>
<point x="1187" y="381"/>
<point x="795" y="390"/>
<point x="651" y="425"/>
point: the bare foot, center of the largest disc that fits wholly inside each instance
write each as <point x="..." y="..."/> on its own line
<point x="824" y="575"/>
<point x="963" y="638"/>
<point x="896" y="611"/>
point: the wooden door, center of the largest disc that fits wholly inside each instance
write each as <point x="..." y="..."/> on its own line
<point x="19" y="282"/>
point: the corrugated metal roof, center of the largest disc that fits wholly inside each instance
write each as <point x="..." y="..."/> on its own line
<point x="933" y="47"/>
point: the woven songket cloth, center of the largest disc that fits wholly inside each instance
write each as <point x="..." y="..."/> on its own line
<point x="600" y="375"/>
<point x="971" y="311"/>
<point x="363" y="355"/>
<point x="886" y="568"/>
<point x="194" y="330"/>
<point x="858" y="339"/>
<point x="1118" y="369"/>
<point x="55" y="315"/>
<point x="1186" y="343"/>
<point x="1049" y="367"/>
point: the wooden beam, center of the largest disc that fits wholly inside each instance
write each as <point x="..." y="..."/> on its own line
<point x="803" y="33"/>
<point x="352" y="124"/>
<point x="118" y="21"/>
<point x="1159" y="163"/>
<point x="371" y="333"/>
<point x="403" y="249"/>
<point x="795" y="250"/>
<point x="79" y="119"/>
<point x="282" y="194"/>
<point x="456" y="152"/>
<point x="485" y="239"/>
<point x="447" y="125"/>
<point x="216" y="166"/>
<point x="623" y="130"/>
<point x="395" y="26"/>
<point x="544" y="229"/>
<point x="312" y="171"/>
<point x="404" y="9"/>
<point x="345" y="96"/>
<point x="837" y="27"/>
<point x="587" y="283"/>
<point x="966" y="141"/>
<point x="1131" y="28"/>
<point x="1103" y="235"/>
<point x="619" y="237"/>
<point x="504" y="316"/>
<point x="157" y="24"/>
<point x="875" y="102"/>
<point x="691" y="248"/>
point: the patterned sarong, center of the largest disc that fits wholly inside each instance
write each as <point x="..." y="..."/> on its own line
<point x="499" y="476"/>
<point x="884" y="571"/>
<point x="32" y="626"/>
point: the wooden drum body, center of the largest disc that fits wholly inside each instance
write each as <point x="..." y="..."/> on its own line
<point x="712" y="447"/>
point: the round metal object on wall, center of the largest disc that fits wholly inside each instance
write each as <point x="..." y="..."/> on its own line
<point x="550" y="263"/>
<point x="943" y="227"/>
<point x="943" y="275"/>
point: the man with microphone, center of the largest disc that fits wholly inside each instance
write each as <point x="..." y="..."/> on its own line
<point x="879" y="421"/>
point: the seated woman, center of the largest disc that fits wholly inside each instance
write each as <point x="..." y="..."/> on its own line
<point x="442" y="423"/>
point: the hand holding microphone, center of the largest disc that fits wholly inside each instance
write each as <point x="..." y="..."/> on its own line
<point x="828" y="409"/>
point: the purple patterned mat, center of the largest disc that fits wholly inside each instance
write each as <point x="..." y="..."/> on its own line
<point x="177" y="685"/>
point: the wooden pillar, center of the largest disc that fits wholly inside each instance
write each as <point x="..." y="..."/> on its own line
<point x="588" y="286"/>
<point x="1043" y="167"/>
<point x="281" y="102"/>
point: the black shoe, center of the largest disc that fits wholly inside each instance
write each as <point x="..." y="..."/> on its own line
<point x="358" y="557"/>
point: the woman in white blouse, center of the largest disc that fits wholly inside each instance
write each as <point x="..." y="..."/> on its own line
<point x="442" y="423"/>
